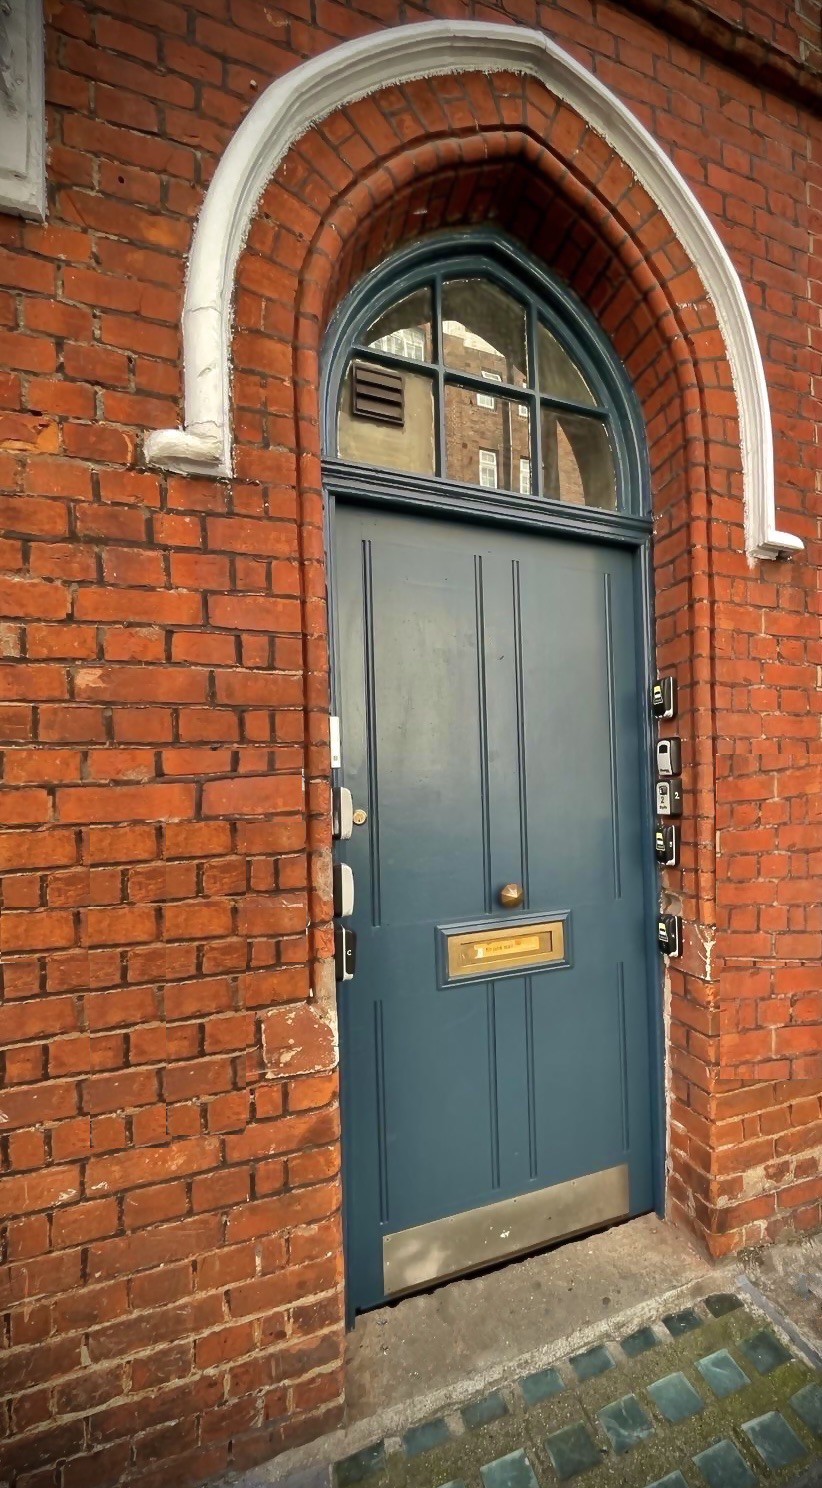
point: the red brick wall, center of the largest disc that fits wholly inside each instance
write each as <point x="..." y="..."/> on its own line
<point x="792" y="29"/>
<point x="169" y="1189"/>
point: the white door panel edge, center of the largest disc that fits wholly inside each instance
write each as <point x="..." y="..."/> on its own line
<point x="354" y="69"/>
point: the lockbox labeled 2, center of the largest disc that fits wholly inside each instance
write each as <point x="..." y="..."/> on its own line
<point x="669" y="797"/>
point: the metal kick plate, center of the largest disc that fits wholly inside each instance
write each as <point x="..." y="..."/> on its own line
<point x="464" y="1242"/>
<point x="530" y="946"/>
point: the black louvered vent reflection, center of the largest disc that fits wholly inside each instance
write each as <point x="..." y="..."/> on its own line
<point x="377" y="393"/>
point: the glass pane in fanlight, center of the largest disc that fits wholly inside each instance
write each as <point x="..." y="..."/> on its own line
<point x="577" y="460"/>
<point x="488" y="447"/>
<point x="559" y="377"/>
<point x="410" y="447"/>
<point x="483" y="331"/>
<point x="405" y="329"/>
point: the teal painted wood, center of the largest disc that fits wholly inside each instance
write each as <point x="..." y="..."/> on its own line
<point x="492" y="700"/>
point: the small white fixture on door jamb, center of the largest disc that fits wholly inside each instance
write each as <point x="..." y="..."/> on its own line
<point x="357" y="68"/>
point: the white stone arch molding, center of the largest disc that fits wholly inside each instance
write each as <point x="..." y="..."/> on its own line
<point x="398" y="54"/>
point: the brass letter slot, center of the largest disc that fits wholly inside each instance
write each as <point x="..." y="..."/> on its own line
<point x="476" y="952"/>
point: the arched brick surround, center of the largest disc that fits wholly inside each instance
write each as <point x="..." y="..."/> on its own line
<point x="474" y="149"/>
<point x="469" y="150"/>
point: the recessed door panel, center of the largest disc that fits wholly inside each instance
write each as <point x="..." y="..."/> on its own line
<point x="420" y="660"/>
<point x="568" y="685"/>
<point x="491" y="698"/>
<point x="579" y="1117"/>
<point x="441" y="1143"/>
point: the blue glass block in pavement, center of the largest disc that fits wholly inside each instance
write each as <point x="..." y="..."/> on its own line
<point x="541" y="1386"/>
<point x="482" y="1412"/>
<point x="572" y="1451"/>
<point x="678" y="1323"/>
<point x="625" y="1423"/>
<point x="764" y="1351"/>
<point x="675" y="1397"/>
<point x="722" y="1373"/>
<point x="723" y="1466"/>
<point x="593" y="1362"/>
<point x="360" y="1465"/>
<point x="807" y="1403"/>
<point x="721" y="1303"/>
<point x="639" y="1342"/>
<point x="776" y="1442"/>
<point x="422" y="1438"/>
<point x="513" y="1471"/>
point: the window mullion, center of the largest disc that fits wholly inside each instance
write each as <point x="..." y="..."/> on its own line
<point x="436" y="338"/>
<point x="536" y="406"/>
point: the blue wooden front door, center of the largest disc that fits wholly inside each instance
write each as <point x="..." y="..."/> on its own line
<point x="491" y="701"/>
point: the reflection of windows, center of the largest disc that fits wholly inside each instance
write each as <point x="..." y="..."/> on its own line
<point x="470" y="343"/>
<point x="488" y="468"/>
<point x="409" y="343"/>
<point x="468" y="338"/>
<point x="484" y="400"/>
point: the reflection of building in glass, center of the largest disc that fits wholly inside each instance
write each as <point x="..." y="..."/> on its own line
<point x="486" y="422"/>
<point x="488" y="434"/>
<point x="409" y="343"/>
<point x="569" y="476"/>
<point x="488" y="468"/>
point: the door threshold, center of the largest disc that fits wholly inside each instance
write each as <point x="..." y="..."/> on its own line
<point x="404" y="1358"/>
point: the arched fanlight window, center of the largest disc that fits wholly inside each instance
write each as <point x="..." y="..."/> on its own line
<point x="461" y="370"/>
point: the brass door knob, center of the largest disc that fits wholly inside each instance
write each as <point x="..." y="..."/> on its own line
<point x="511" y="895"/>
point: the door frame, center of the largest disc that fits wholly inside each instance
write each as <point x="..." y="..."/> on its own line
<point x="345" y="483"/>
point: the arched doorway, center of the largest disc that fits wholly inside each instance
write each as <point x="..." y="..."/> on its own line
<point x="490" y="536"/>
